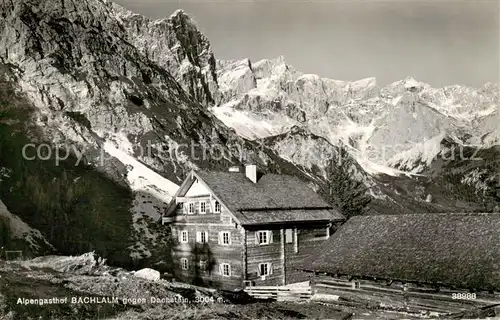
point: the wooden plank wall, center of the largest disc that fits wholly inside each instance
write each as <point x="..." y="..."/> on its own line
<point x="413" y="299"/>
<point x="270" y="253"/>
<point x="308" y="243"/>
<point x="211" y="251"/>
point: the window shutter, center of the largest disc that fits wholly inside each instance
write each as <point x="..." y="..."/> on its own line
<point x="221" y="271"/>
<point x="229" y="237"/>
<point x="256" y="237"/>
<point x="198" y="236"/>
<point x="180" y="236"/>
<point x="258" y="270"/>
<point x="270" y="268"/>
<point x="220" y="237"/>
<point x="270" y="236"/>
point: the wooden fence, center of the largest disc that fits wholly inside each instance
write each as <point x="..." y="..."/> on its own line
<point x="279" y="293"/>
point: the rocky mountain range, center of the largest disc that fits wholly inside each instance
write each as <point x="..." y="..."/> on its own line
<point x="139" y="102"/>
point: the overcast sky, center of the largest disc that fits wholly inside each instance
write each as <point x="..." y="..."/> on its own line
<point x="439" y="42"/>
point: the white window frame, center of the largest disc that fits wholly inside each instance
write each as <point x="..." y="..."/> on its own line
<point x="203" y="205"/>
<point x="221" y="238"/>
<point x="288" y="235"/>
<point x="268" y="269"/>
<point x="191" y="205"/>
<point x="217" y="203"/>
<point x="222" y="270"/>
<point x="268" y="237"/>
<point x="203" y="265"/>
<point x="199" y="236"/>
<point x="184" y="264"/>
<point x="356" y="284"/>
<point x="181" y="236"/>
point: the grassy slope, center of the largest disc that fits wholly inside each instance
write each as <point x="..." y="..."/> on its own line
<point x="75" y="207"/>
<point x="16" y="282"/>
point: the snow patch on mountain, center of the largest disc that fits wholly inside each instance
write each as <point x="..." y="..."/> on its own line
<point x="423" y="153"/>
<point x="397" y="126"/>
<point x="252" y="125"/>
<point x="152" y="194"/>
<point x="140" y="177"/>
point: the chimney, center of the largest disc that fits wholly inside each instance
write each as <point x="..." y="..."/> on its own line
<point x="251" y="172"/>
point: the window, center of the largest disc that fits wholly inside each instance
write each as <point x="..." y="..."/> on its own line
<point x="202" y="236"/>
<point x="217" y="207"/>
<point x="203" y="207"/>
<point x="289" y="235"/>
<point x="184" y="264"/>
<point x="225" y="269"/>
<point x="263" y="237"/>
<point x="356" y="285"/>
<point x="184" y="237"/>
<point x="180" y="206"/>
<point x="203" y="265"/>
<point x="191" y="208"/>
<point x="225" y="238"/>
<point x="265" y="269"/>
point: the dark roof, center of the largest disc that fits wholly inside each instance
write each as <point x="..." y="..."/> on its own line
<point x="274" y="198"/>
<point x="457" y="250"/>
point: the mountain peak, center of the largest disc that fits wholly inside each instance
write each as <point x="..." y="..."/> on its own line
<point x="176" y="44"/>
<point x="411" y="82"/>
<point x="179" y="13"/>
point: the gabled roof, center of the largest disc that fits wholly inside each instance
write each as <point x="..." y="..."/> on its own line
<point x="457" y="250"/>
<point x="273" y="199"/>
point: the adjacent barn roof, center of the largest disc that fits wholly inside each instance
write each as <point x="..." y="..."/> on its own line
<point x="457" y="250"/>
<point x="274" y="198"/>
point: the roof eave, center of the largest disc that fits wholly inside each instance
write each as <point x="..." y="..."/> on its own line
<point x="326" y="221"/>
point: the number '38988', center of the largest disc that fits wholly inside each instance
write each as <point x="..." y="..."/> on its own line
<point x="463" y="296"/>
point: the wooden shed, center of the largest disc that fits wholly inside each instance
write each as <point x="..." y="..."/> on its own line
<point x="436" y="262"/>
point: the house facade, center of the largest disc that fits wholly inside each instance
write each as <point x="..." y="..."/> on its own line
<point x="236" y="228"/>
